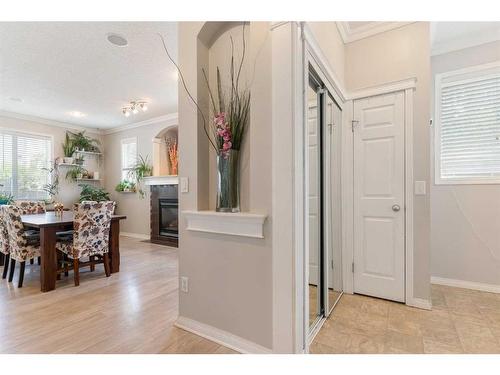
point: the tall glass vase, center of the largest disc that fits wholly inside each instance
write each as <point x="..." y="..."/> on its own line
<point x="228" y="182"/>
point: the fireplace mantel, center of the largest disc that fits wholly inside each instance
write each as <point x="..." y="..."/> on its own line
<point x="161" y="180"/>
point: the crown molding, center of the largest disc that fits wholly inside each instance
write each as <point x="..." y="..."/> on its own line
<point x="410" y="83"/>
<point x="169" y="119"/>
<point x="40" y="120"/>
<point x="349" y="35"/>
<point x="464" y="42"/>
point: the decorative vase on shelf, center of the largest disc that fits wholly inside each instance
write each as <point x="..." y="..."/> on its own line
<point x="228" y="181"/>
<point x="68" y="160"/>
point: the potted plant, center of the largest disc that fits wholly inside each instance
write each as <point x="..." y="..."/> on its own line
<point x="139" y="170"/>
<point x="68" y="149"/>
<point x="52" y="188"/>
<point x="6" y="198"/>
<point x="75" y="173"/>
<point x="125" y="186"/>
<point x="79" y="160"/>
<point x="82" y="142"/>
<point x="91" y="193"/>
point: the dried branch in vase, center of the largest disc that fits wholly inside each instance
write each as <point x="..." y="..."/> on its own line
<point x="173" y="155"/>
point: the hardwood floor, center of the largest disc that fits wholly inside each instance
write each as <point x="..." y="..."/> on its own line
<point x="461" y="321"/>
<point x="132" y="311"/>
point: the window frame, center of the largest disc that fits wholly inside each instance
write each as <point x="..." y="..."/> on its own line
<point x="455" y="77"/>
<point x="16" y="133"/>
<point x="124" y="141"/>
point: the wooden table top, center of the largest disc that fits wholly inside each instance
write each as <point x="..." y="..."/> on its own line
<point x="50" y="219"/>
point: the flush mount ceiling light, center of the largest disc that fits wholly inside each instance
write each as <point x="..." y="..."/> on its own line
<point x="15" y="99"/>
<point x="77" y="114"/>
<point x="134" y="107"/>
<point x="117" y="40"/>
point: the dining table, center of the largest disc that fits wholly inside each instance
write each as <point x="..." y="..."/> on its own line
<point x="49" y="224"/>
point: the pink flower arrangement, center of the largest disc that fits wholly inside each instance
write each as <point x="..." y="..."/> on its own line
<point x="224" y="132"/>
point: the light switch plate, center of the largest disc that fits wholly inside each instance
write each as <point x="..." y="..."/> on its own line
<point x="184" y="184"/>
<point x="184" y="284"/>
<point x="420" y="187"/>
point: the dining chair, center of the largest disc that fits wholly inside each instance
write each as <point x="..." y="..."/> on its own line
<point x="29" y="207"/>
<point x="4" y="243"/>
<point x="92" y="224"/>
<point x="22" y="246"/>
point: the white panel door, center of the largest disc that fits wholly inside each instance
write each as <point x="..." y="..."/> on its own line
<point x="314" y="192"/>
<point x="379" y="252"/>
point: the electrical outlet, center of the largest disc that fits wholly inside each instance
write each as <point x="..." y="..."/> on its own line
<point x="184" y="184"/>
<point x="184" y="284"/>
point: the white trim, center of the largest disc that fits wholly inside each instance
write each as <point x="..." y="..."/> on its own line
<point x="220" y="337"/>
<point x="492" y="288"/>
<point x="409" y="191"/>
<point x="373" y="28"/>
<point x="139" y="236"/>
<point x="386" y="88"/>
<point x="465" y="41"/>
<point x="319" y="57"/>
<point x="161" y="180"/>
<point x="169" y="119"/>
<point x="442" y="80"/>
<point x="235" y="224"/>
<point x="420" y="303"/>
<point x="40" y="120"/>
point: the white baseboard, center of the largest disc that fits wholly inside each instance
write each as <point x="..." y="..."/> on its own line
<point x="466" y="284"/>
<point x="220" y="337"/>
<point x="420" y="303"/>
<point x="139" y="236"/>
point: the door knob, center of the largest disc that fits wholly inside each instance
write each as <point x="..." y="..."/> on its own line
<point x="396" y="208"/>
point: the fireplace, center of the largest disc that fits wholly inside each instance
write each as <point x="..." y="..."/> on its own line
<point x="169" y="217"/>
<point x="164" y="215"/>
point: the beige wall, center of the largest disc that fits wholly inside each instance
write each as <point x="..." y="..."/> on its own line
<point x="132" y="205"/>
<point x="69" y="192"/>
<point x="392" y="56"/>
<point x="328" y="37"/>
<point x="465" y="219"/>
<point x="230" y="281"/>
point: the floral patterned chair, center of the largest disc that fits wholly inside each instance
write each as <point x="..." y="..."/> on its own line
<point x="92" y="223"/>
<point x="22" y="245"/>
<point x="30" y="207"/>
<point x="4" y="243"/>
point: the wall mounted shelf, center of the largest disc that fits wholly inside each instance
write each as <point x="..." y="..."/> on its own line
<point x="88" y="179"/>
<point x="68" y="165"/>
<point x="243" y="224"/>
<point x="89" y="153"/>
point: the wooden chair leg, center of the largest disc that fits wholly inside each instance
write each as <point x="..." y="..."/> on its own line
<point x="92" y="264"/>
<point x="107" y="268"/>
<point x="32" y="261"/>
<point x="6" y="266"/>
<point x="39" y="260"/>
<point x="76" y="271"/>
<point x="2" y="259"/>
<point x="11" y="271"/>
<point x="21" y="274"/>
<point x="65" y="258"/>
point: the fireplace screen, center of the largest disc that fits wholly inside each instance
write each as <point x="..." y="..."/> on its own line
<point x="169" y="222"/>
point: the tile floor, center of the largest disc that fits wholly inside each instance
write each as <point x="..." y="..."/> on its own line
<point x="461" y="321"/>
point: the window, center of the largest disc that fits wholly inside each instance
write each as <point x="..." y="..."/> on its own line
<point x="129" y="156"/>
<point x="467" y="141"/>
<point x="23" y="161"/>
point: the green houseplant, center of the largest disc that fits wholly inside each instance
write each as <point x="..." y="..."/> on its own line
<point x="6" y="198"/>
<point x="125" y="186"/>
<point x="139" y="170"/>
<point x="82" y="142"/>
<point x="91" y="193"/>
<point x="68" y="149"/>
<point x="75" y="173"/>
<point x="52" y="188"/>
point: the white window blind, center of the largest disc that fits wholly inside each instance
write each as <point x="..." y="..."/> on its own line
<point x="129" y="156"/>
<point x="23" y="162"/>
<point x="468" y="141"/>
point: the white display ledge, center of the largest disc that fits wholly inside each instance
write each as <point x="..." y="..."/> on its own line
<point x="161" y="180"/>
<point x="234" y="224"/>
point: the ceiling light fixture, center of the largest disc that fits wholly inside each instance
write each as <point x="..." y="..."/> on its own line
<point x="77" y="114"/>
<point x="134" y="107"/>
<point x="117" y="40"/>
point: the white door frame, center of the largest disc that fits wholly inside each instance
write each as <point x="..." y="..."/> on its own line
<point x="314" y="57"/>
<point x="408" y="87"/>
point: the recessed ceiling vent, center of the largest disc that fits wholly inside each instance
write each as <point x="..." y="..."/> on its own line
<point x="117" y="40"/>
